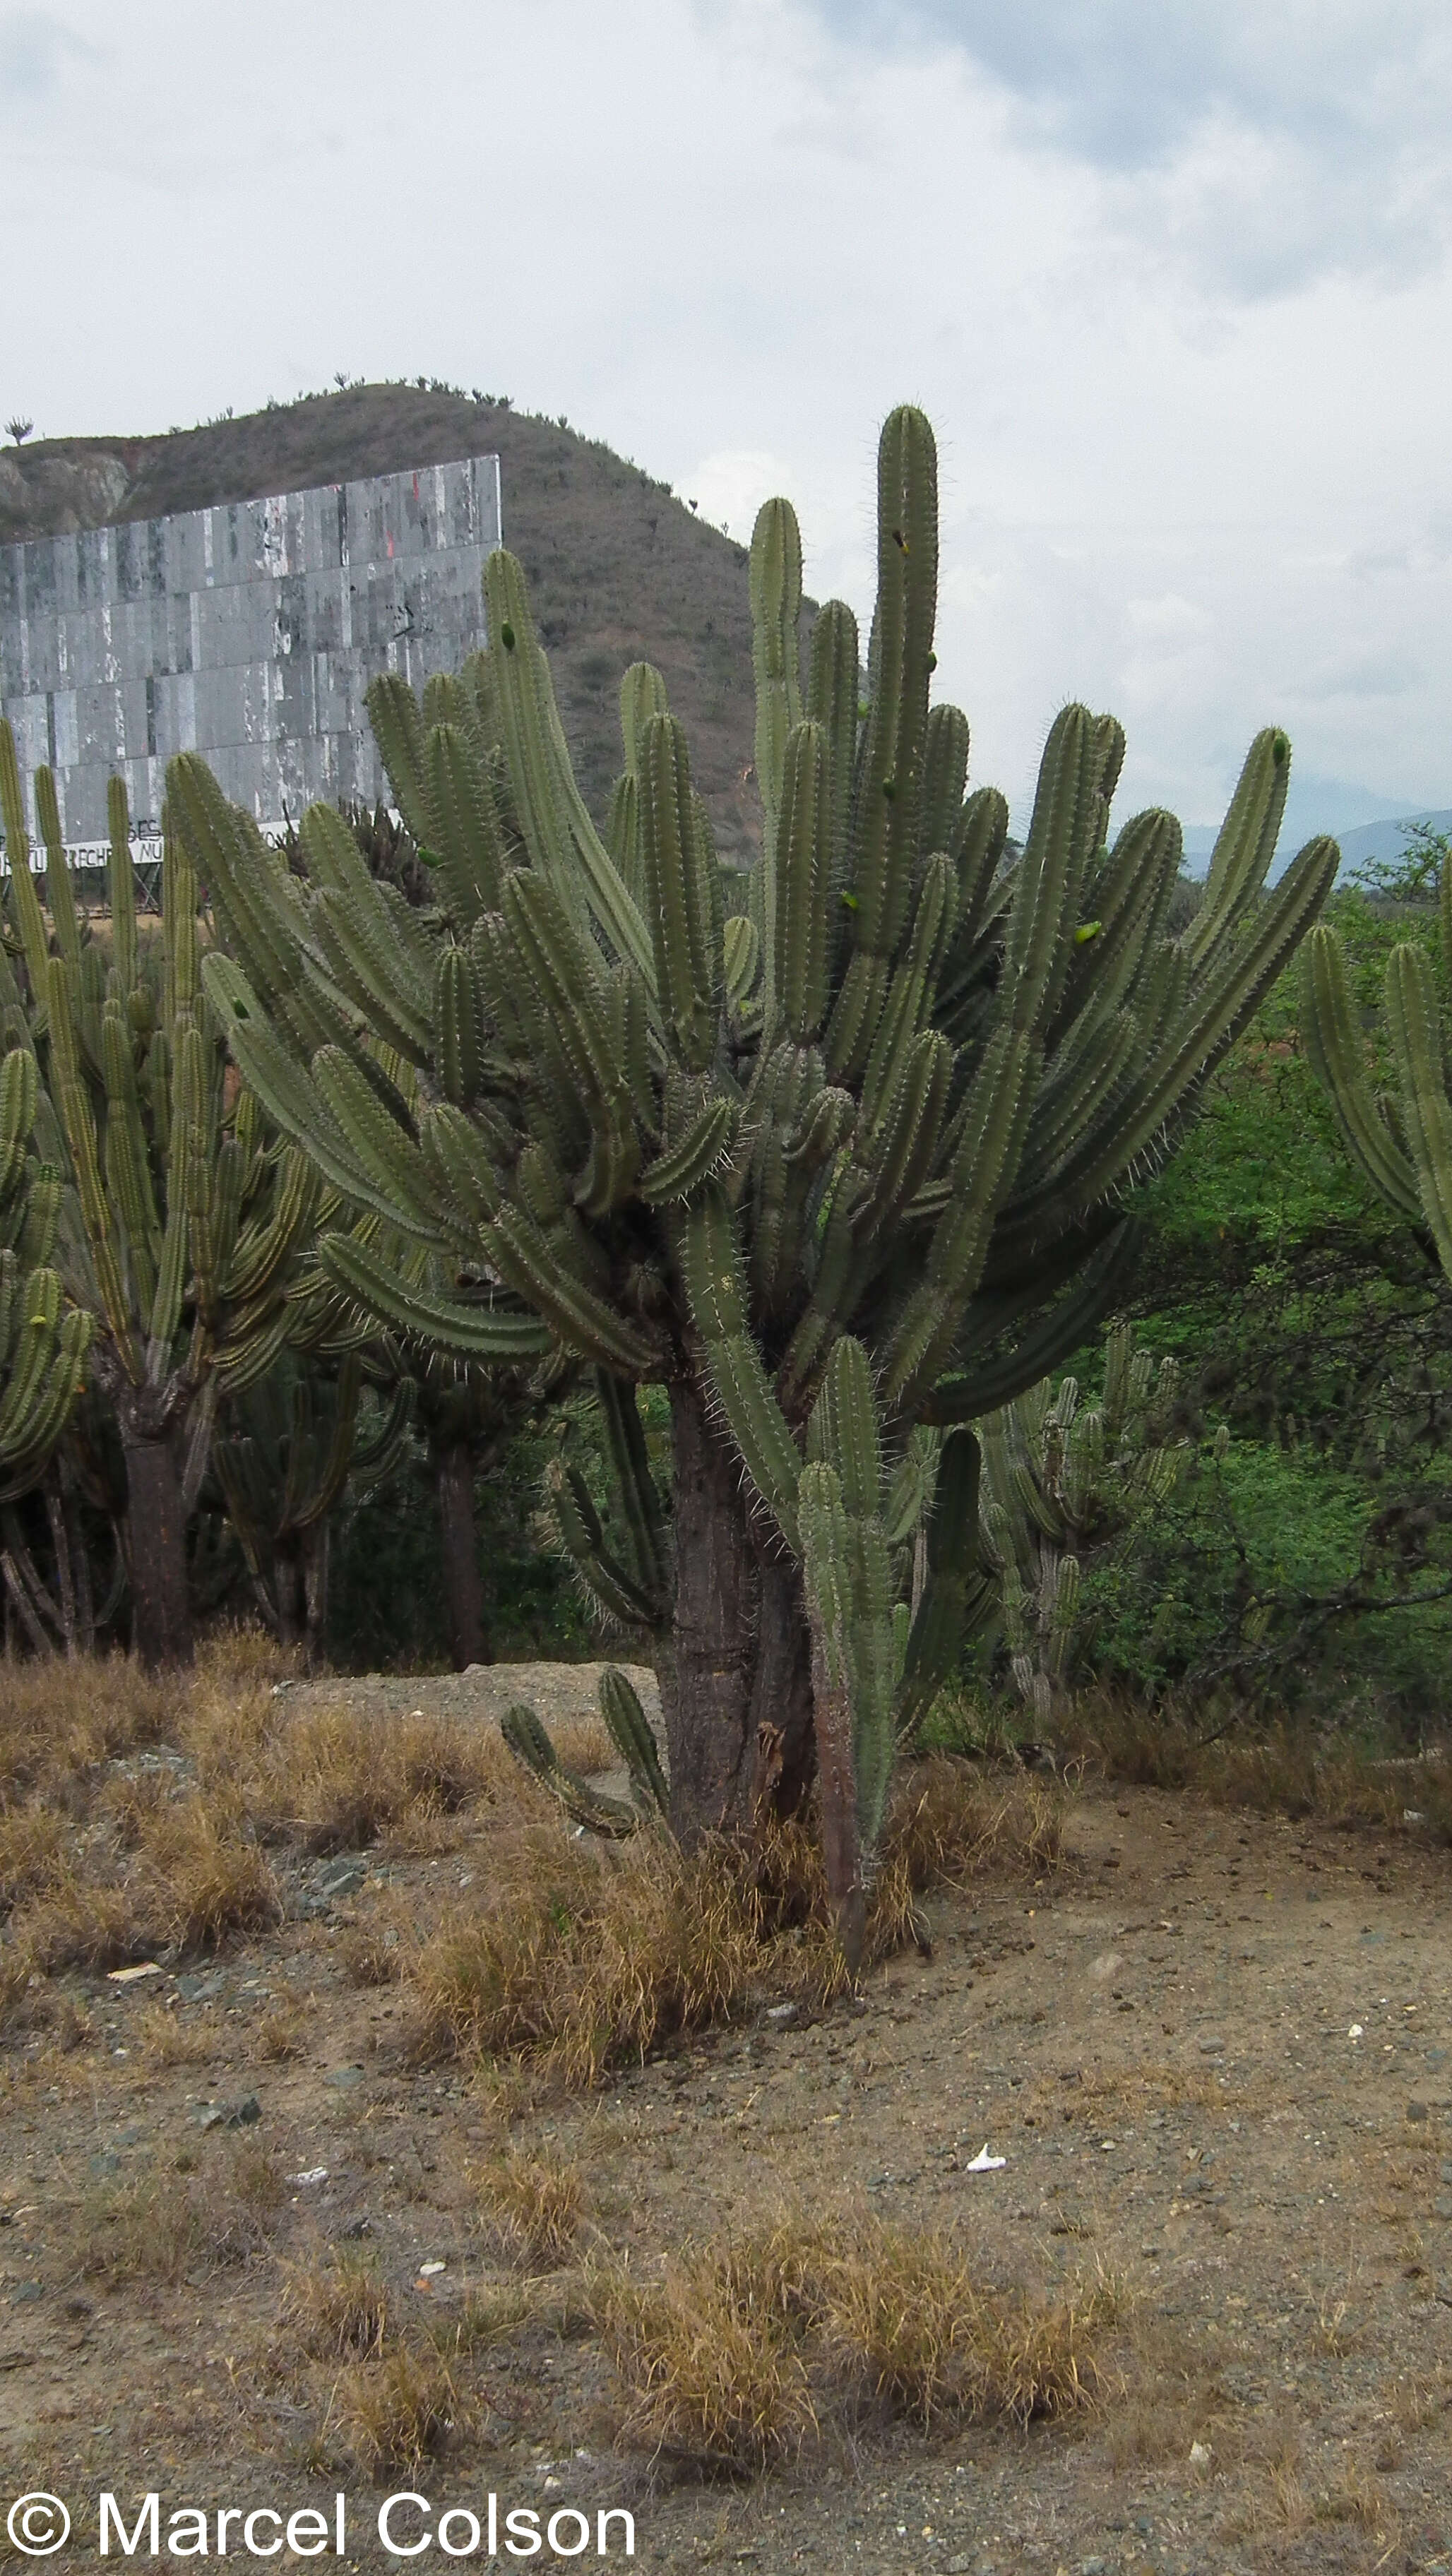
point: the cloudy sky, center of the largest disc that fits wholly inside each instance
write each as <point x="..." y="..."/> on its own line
<point x="1170" y="276"/>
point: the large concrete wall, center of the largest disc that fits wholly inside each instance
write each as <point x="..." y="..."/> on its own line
<point x="247" y="632"/>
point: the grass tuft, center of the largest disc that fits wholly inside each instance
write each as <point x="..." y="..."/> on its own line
<point x="337" y="2310"/>
<point x="736" y="2353"/>
<point x="535" y="2203"/>
<point x="397" y="2411"/>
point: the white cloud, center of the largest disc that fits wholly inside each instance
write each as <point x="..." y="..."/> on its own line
<point x="1168" y="280"/>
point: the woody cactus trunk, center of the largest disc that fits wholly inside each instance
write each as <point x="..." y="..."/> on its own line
<point x="177" y="1228"/>
<point x="843" y="1165"/>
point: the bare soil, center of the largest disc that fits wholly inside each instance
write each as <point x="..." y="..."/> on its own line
<point x="1212" y="2051"/>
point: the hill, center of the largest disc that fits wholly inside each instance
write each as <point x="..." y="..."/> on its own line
<point x="619" y="569"/>
<point x="1385" y="841"/>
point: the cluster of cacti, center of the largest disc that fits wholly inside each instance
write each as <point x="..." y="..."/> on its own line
<point x="1060" y="1480"/>
<point x="1401" y="1139"/>
<point x="175" y="1229"/>
<point x="897" y="1105"/>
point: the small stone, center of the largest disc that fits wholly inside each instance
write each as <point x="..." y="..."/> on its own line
<point x="960" y="2566"/>
<point x="343" y="2078"/>
<point x="245" y="2114"/>
<point x="1212" y="2047"/>
<point x="24" y="2293"/>
<point x="343" y="1879"/>
<point x="1442" y="2205"/>
<point x="1418" y="2111"/>
<point x="200" y="1990"/>
<point x="105" y="2163"/>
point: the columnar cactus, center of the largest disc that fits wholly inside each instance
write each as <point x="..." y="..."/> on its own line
<point x="287" y="1450"/>
<point x="897" y="1105"/>
<point x="177" y="1230"/>
<point x="1061" y="1479"/>
<point x="1402" y="1139"/>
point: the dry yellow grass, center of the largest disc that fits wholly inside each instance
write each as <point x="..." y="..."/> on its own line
<point x="535" y="2204"/>
<point x="336" y="2310"/>
<point x="61" y="1718"/>
<point x="595" y="1953"/>
<point x="738" y="2351"/>
<point x="156" y="2229"/>
<point x="1286" y="1768"/>
<point x="185" y="1879"/>
<point x="397" y="2411"/>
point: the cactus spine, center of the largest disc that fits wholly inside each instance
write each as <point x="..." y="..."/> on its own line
<point x="895" y="1108"/>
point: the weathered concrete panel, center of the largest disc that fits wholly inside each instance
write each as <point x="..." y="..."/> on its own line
<point x="247" y="632"/>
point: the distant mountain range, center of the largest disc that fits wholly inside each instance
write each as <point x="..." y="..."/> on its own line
<point x="1381" y="840"/>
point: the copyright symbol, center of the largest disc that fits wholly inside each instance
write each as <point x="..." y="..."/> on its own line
<point x="38" y="2525"/>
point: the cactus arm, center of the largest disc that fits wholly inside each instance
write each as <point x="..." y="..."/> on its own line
<point x="998" y="1108"/>
<point x="831" y="704"/>
<point x="984" y="1384"/>
<point x="527" y="1740"/>
<point x="1245" y="843"/>
<point x="381" y="1148"/>
<point x="121" y="883"/>
<point x="775" y="587"/>
<point x="683" y="897"/>
<point x="467" y="843"/>
<point x="398" y="730"/>
<point x="394" y="1003"/>
<point x="186" y="1198"/>
<point x="43" y="1359"/>
<point x="459" y="1019"/>
<point x="803" y="873"/>
<point x="716" y="1288"/>
<point x="561" y="837"/>
<point x="571" y="992"/>
<point x="1333" y="1043"/>
<point x="630" y="1734"/>
<point x="59" y="892"/>
<point x="470" y="1329"/>
<point x="883" y="837"/>
<point x="1214" y="1019"/>
<point x="583" y="1322"/>
<point x="1416" y="1037"/>
<point x="639" y="1503"/>
<point x="80" y="1133"/>
<point x="24" y="901"/>
<point x="610" y="1585"/>
<point x="945" y="778"/>
<point x="705" y="1146"/>
<point x="263" y="1250"/>
<point x="958" y="1594"/>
